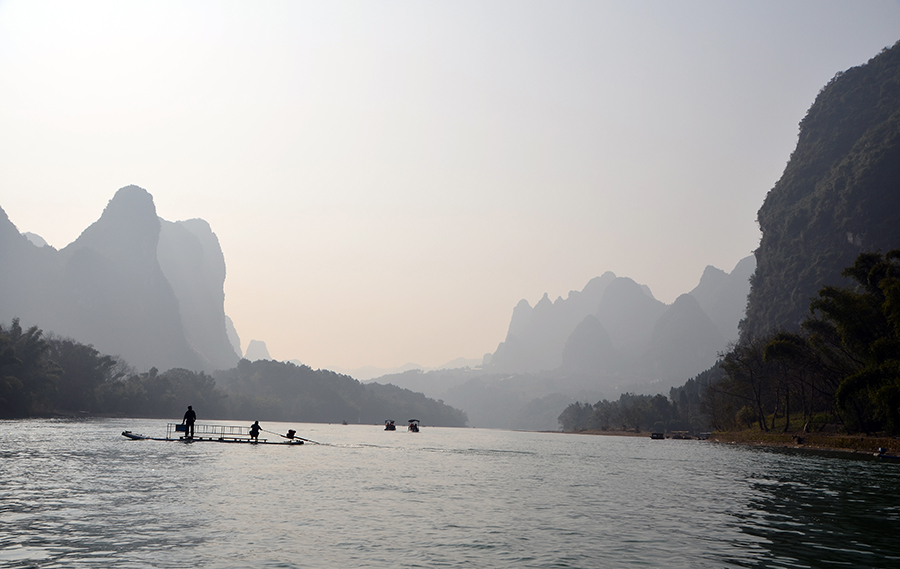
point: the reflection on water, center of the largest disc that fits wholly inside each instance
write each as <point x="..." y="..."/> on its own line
<point x="77" y="494"/>
<point x="830" y="511"/>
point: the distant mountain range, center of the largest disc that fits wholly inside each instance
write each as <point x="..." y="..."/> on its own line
<point x="614" y="327"/>
<point x="369" y="372"/>
<point x="612" y="336"/>
<point x="132" y="285"/>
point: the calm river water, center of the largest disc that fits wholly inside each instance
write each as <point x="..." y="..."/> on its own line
<point x="78" y="494"/>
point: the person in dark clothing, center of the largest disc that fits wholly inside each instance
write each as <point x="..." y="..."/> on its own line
<point x="254" y="431"/>
<point x="189" y="418"/>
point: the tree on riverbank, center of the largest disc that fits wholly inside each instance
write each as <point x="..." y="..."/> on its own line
<point x="27" y="374"/>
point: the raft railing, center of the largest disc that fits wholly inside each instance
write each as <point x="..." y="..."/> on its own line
<point x="211" y="432"/>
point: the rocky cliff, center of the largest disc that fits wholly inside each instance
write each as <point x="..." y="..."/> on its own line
<point x="132" y="285"/>
<point x="839" y="194"/>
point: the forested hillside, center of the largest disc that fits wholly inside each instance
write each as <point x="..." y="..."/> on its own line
<point x="285" y="391"/>
<point x="839" y="195"/>
<point x="45" y="376"/>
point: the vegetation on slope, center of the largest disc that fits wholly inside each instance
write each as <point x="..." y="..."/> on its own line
<point x="839" y="195"/>
<point x="42" y="376"/>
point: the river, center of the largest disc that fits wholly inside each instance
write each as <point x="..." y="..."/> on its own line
<point x="75" y="493"/>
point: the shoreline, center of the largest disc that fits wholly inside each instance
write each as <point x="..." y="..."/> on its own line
<point x="852" y="444"/>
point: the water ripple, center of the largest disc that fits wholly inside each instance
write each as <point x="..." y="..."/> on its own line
<point x="76" y="494"/>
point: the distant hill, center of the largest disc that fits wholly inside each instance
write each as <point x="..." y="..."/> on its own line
<point x="608" y="338"/>
<point x="257" y="350"/>
<point x="370" y="372"/>
<point x="839" y="194"/>
<point x="285" y="391"/>
<point x="132" y="285"/>
<point x="616" y="330"/>
<point x="723" y="296"/>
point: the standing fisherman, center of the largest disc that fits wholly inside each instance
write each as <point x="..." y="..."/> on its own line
<point x="189" y="418"/>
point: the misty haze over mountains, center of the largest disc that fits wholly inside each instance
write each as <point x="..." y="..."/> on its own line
<point x="612" y="336"/>
<point x="573" y="334"/>
<point x="132" y="285"/>
<point x="151" y="291"/>
<point x="614" y="326"/>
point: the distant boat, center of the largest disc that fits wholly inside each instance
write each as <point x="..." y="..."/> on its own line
<point x="215" y="434"/>
<point x="883" y="455"/>
<point x="413" y="426"/>
<point x="657" y="436"/>
<point x="390" y="426"/>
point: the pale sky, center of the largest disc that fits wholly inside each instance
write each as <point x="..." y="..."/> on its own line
<point x="388" y="179"/>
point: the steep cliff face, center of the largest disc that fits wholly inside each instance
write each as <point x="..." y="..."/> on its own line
<point x="192" y="261"/>
<point x="839" y="194"/>
<point x="114" y="293"/>
<point x="108" y="287"/>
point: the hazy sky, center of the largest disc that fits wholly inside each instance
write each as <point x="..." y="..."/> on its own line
<point x="388" y="179"/>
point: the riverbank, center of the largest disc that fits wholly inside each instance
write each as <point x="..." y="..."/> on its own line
<point x="811" y="441"/>
<point x="816" y="441"/>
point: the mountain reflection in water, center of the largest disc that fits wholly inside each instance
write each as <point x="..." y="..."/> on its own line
<point x="78" y="494"/>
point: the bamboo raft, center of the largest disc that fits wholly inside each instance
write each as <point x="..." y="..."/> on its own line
<point x="215" y="434"/>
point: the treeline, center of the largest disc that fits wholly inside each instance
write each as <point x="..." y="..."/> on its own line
<point x="683" y="410"/>
<point x="840" y="371"/>
<point x="285" y="391"/>
<point x="842" y="368"/>
<point x="45" y="376"/>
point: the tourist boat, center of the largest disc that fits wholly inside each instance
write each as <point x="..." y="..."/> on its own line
<point x="413" y="426"/>
<point x="215" y="434"/>
<point x="390" y="426"/>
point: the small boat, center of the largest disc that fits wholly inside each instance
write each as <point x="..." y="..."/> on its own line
<point x="413" y="426"/>
<point x="390" y="426"/>
<point x="657" y="436"/>
<point x="215" y="434"/>
<point x="883" y="455"/>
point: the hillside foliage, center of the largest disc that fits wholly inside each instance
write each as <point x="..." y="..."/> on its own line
<point x="839" y="195"/>
<point x="45" y="376"/>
